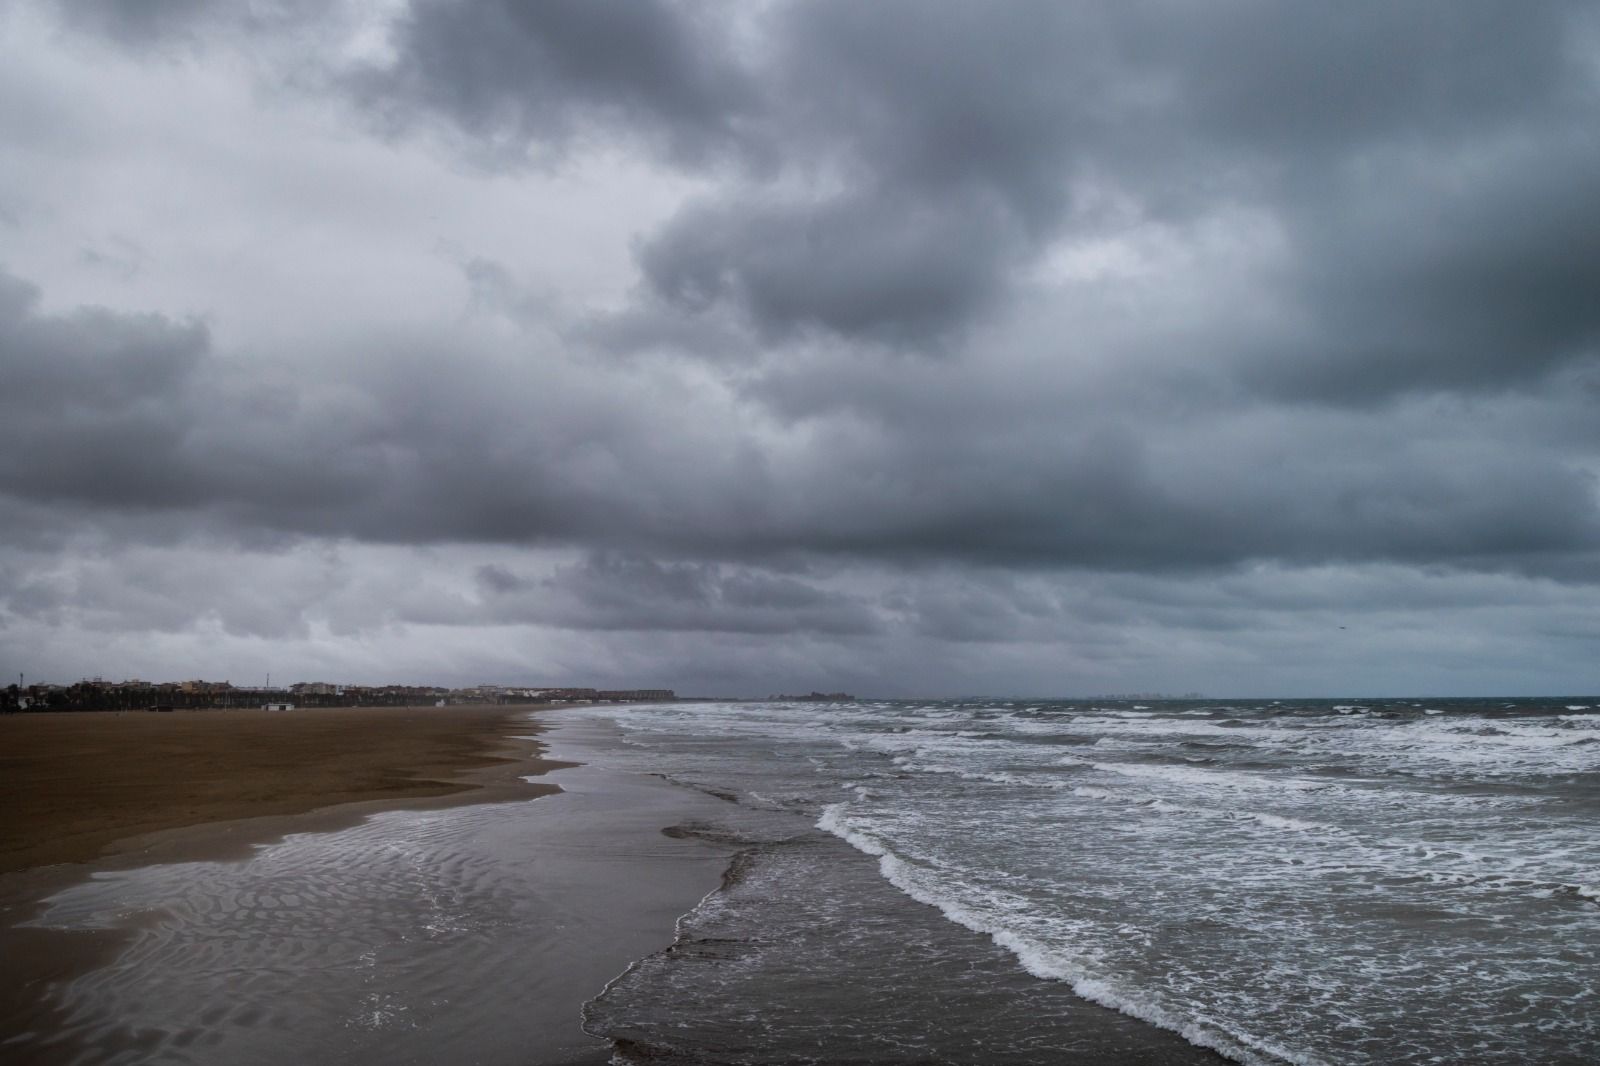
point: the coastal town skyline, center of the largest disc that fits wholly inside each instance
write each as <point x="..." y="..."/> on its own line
<point x="134" y="694"/>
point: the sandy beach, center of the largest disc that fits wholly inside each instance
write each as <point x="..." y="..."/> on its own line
<point x="76" y="786"/>
<point x="83" y="793"/>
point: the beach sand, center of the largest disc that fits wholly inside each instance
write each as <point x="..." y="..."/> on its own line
<point x="77" y="786"/>
<point x="82" y="793"/>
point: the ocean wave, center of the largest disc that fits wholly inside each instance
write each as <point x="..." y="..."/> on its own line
<point x="1053" y="964"/>
<point x="1155" y="803"/>
<point x="1349" y="851"/>
<point x="1208" y="778"/>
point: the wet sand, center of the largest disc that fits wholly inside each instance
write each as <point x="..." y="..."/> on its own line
<point x="85" y="793"/>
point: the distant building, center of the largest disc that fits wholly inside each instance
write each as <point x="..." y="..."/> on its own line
<point x="589" y="695"/>
<point x="561" y="695"/>
<point x="634" y="695"/>
<point x="277" y="706"/>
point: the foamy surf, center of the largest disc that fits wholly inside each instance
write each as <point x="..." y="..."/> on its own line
<point x="1357" y="883"/>
<point x="1053" y="964"/>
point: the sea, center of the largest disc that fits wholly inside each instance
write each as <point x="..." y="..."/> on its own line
<point x="983" y="881"/>
<point x="1014" y="881"/>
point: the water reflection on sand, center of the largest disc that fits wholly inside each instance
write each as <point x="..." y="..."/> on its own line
<point x="471" y="934"/>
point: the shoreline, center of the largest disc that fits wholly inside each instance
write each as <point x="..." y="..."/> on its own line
<point x="429" y="759"/>
<point x="477" y="931"/>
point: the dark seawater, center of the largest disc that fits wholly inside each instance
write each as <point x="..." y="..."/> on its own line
<point x="1023" y="882"/>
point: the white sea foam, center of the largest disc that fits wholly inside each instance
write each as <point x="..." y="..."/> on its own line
<point x="1224" y="779"/>
<point x="1278" y="821"/>
<point x="1054" y="964"/>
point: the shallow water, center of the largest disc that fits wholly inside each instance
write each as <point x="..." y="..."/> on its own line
<point x="471" y="934"/>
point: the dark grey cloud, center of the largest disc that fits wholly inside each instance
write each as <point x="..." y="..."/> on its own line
<point x="113" y="413"/>
<point x="520" y="76"/>
<point x="884" y="268"/>
<point x="932" y="157"/>
<point x="618" y="591"/>
<point x="891" y="171"/>
<point x="1421" y="159"/>
<point x="108" y="413"/>
<point x="139" y="22"/>
<point x="132" y="415"/>
<point x="953" y="174"/>
<point x="166" y="27"/>
<point x="1310" y="85"/>
<point x="91" y="403"/>
<point x="109" y="592"/>
<point x="1448" y="282"/>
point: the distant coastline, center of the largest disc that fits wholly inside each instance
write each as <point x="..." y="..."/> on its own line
<point x="817" y="697"/>
<point x="135" y="695"/>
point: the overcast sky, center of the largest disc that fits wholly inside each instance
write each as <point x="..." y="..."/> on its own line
<point x="905" y="348"/>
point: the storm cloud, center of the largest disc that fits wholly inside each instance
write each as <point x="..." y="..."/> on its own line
<point x="887" y="331"/>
